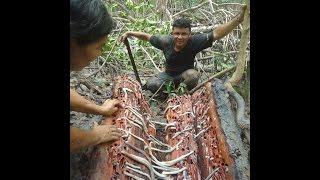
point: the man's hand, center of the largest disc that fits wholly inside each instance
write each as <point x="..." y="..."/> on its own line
<point x="109" y="107"/>
<point x="106" y="133"/>
<point x="241" y="15"/>
<point x="124" y="36"/>
<point x="140" y="35"/>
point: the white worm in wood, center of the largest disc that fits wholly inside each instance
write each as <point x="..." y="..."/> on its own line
<point x="131" y="165"/>
<point x="132" y="176"/>
<point x="189" y="112"/>
<point x="202" y="131"/>
<point x="127" y="89"/>
<point x="170" y="125"/>
<point x="168" y="150"/>
<point x="173" y="108"/>
<point x="164" y="168"/>
<point x="125" y="92"/>
<point x="174" y="172"/>
<point x="144" y="162"/>
<point x="204" y="113"/>
<point x="131" y="122"/>
<point x="187" y="128"/>
<point x="135" y="124"/>
<point x="138" y="171"/>
<point x="172" y="162"/>
<point x="159" y="123"/>
<point x="212" y="173"/>
<point x="155" y="140"/>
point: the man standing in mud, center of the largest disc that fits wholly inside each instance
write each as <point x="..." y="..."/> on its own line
<point x="180" y="50"/>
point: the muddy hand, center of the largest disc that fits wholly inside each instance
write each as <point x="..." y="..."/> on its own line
<point x="106" y="133"/>
<point x="124" y="37"/>
<point x="241" y="15"/>
<point x="109" y="107"/>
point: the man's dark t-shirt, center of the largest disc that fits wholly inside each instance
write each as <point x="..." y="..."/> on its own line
<point x="177" y="62"/>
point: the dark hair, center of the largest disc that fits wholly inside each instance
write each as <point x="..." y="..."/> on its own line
<point x="182" y="23"/>
<point x="89" y="21"/>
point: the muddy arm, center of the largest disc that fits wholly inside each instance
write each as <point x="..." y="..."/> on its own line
<point x="80" y="104"/>
<point x="81" y="138"/>
<point x="226" y="28"/>
<point x="140" y="35"/>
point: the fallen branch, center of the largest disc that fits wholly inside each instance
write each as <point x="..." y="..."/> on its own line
<point x="201" y="68"/>
<point x="83" y="80"/>
<point x="227" y="4"/>
<point x="156" y="92"/>
<point x="122" y="6"/>
<point x="169" y="15"/>
<point x="190" y="9"/>
<point x="211" y="6"/>
<point x="219" y="74"/>
<point x="121" y="19"/>
<point x="242" y="55"/>
<point x="206" y="68"/>
<point x="150" y="59"/>
<point x="195" y="30"/>
<point x="132" y="19"/>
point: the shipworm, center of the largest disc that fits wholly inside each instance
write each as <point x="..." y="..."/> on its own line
<point x="142" y="161"/>
<point x="159" y="123"/>
<point x="125" y="92"/>
<point x="204" y="113"/>
<point x="130" y="121"/>
<point x="164" y="168"/>
<point x="155" y="140"/>
<point x="189" y="112"/>
<point x="173" y="108"/>
<point x="132" y="176"/>
<point x="180" y="132"/>
<point x="170" y="125"/>
<point x="174" y="172"/>
<point x="138" y="171"/>
<point x="172" y="162"/>
<point x="202" y="131"/>
<point x="133" y="166"/>
<point x="212" y="173"/>
<point x="168" y="150"/>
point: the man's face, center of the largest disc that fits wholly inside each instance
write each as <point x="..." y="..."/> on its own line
<point x="81" y="56"/>
<point x="181" y="36"/>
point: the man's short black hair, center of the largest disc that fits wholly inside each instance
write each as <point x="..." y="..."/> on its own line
<point x="89" y="21"/>
<point x="182" y="23"/>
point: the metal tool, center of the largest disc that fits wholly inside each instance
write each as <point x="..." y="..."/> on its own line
<point x="126" y="42"/>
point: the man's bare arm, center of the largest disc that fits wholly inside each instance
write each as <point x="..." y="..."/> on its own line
<point x="80" y="139"/>
<point x="80" y="104"/>
<point x="140" y="35"/>
<point x="226" y="28"/>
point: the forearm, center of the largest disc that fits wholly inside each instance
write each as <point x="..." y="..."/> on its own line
<point x="80" y="104"/>
<point x="140" y="35"/>
<point x="226" y="28"/>
<point x="82" y="139"/>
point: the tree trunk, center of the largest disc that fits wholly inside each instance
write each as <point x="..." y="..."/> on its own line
<point x="242" y="58"/>
<point x="161" y="7"/>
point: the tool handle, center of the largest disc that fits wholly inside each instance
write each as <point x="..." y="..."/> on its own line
<point x="126" y="42"/>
